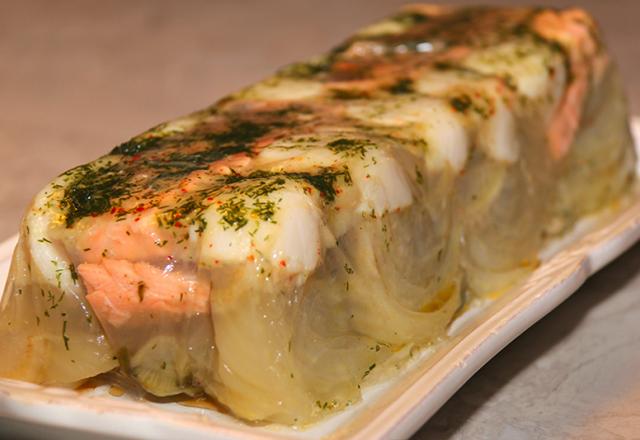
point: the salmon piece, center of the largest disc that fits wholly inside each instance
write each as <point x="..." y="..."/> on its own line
<point x="573" y="30"/>
<point x="119" y="289"/>
<point x="137" y="238"/>
<point x="231" y="164"/>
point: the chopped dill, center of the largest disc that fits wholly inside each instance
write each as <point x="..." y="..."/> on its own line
<point x="65" y="338"/>
<point x="349" y="147"/>
<point x="366" y="373"/>
<point x="74" y="274"/>
<point x="234" y="213"/>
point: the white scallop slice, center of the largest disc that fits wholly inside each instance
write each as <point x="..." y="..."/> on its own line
<point x="222" y="243"/>
<point x="178" y="125"/>
<point x="286" y="89"/>
<point x="527" y="64"/>
<point x="431" y="119"/>
<point x="385" y="27"/>
<point x="292" y="242"/>
<point x="441" y="82"/>
<point x="298" y="245"/>
<point x="381" y="181"/>
<point x="287" y="157"/>
<point x="496" y="134"/>
<point x="383" y="184"/>
<point x="47" y="253"/>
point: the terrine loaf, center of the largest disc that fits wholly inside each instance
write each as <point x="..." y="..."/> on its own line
<point x="303" y="236"/>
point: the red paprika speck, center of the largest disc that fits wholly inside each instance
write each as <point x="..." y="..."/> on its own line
<point x="346" y="66"/>
<point x="210" y="199"/>
<point x="113" y="210"/>
<point x="177" y="224"/>
<point x="135" y="157"/>
<point x="283" y="263"/>
<point x="140" y="208"/>
<point x="183" y="190"/>
<point x="137" y="219"/>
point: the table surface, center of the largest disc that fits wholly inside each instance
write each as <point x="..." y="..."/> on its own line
<point x="80" y="77"/>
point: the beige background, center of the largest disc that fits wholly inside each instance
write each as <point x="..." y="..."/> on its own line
<point x="78" y="77"/>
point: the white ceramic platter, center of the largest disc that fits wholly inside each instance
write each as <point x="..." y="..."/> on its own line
<point x="391" y="410"/>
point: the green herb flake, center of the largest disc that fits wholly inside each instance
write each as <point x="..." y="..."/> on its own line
<point x="366" y="373"/>
<point x="202" y="224"/>
<point x="137" y="145"/>
<point x="65" y="338"/>
<point x="59" y="277"/>
<point x="460" y="103"/>
<point x="264" y="210"/>
<point x="234" y="213"/>
<point x="348" y="269"/>
<point x="349" y="147"/>
<point x="92" y="189"/>
<point x="419" y="176"/>
<point x="74" y="274"/>
<point x="402" y="87"/>
<point x="124" y="359"/>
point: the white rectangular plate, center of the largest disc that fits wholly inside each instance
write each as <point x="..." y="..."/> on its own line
<point x="393" y="409"/>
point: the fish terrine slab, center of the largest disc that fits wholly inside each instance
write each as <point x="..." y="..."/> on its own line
<point x="394" y="409"/>
<point x="298" y="250"/>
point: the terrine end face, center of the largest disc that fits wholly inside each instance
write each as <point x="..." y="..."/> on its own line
<point x="286" y="246"/>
